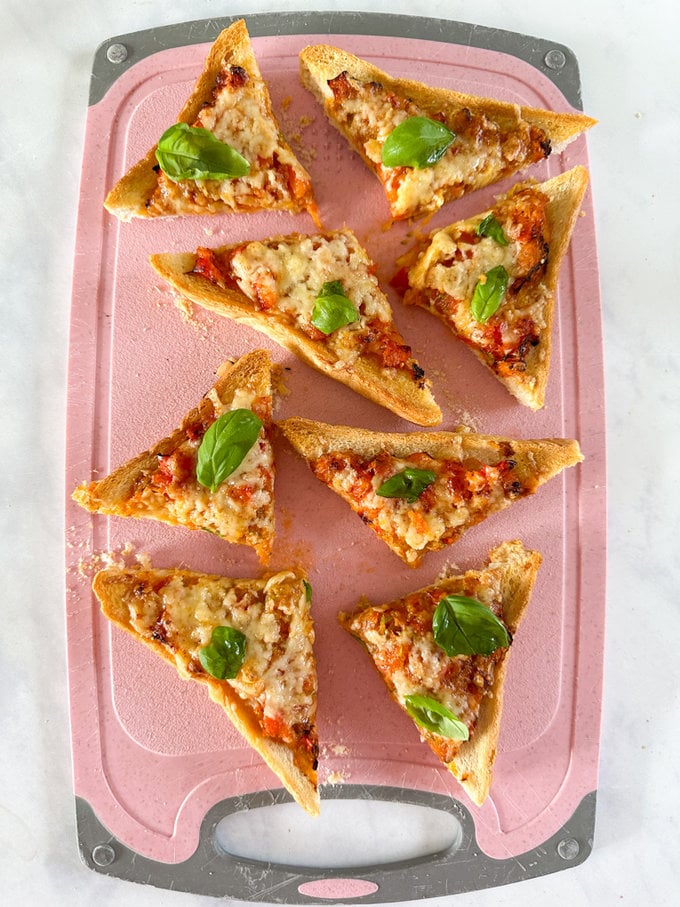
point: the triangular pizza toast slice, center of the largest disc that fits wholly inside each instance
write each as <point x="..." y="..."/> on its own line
<point x="492" y="278"/>
<point x="215" y="472"/>
<point x="225" y="153"/>
<point x="318" y="296"/>
<point x="429" y="145"/>
<point x="419" y="491"/>
<point x="443" y="654"/>
<point x="249" y="641"/>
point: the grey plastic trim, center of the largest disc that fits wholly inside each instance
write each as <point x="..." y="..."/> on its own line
<point x="554" y="60"/>
<point x="462" y="868"/>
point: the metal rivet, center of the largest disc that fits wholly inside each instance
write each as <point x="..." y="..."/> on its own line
<point x="103" y="855"/>
<point x="554" y="59"/>
<point x="117" y="53"/>
<point x="568" y="848"/>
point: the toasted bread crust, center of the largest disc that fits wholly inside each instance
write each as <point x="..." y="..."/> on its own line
<point x="112" y="494"/>
<point x="394" y="388"/>
<point x="114" y="586"/>
<point x="516" y="568"/>
<point x="321" y="63"/>
<point x="129" y="197"/>
<point x="565" y="194"/>
<point x="473" y="765"/>
<point x="548" y="456"/>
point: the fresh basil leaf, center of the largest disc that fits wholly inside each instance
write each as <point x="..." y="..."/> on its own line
<point x="489" y="294"/>
<point x="418" y="142"/>
<point x="464" y="626"/>
<point x="225" y="445"/>
<point x="191" y="153"/>
<point x="332" y="309"/>
<point x="308" y="590"/>
<point x="430" y="714"/>
<point x="224" y="655"/>
<point x="410" y="483"/>
<point x="332" y="288"/>
<point x="492" y="228"/>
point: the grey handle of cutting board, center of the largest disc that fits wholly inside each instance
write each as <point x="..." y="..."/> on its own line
<point x="463" y="867"/>
<point x="554" y="60"/>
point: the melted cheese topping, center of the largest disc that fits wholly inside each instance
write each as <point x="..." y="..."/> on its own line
<point x="454" y="268"/>
<point x="289" y="276"/>
<point x="424" y="665"/>
<point x="481" y="152"/>
<point x="241" y="509"/>
<point x="404" y="650"/>
<point x="278" y="676"/>
<point x="239" y="116"/>
<point x="446" y="274"/>
<point x="458" y="498"/>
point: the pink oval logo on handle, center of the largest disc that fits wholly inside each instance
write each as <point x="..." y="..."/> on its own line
<point x="337" y="888"/>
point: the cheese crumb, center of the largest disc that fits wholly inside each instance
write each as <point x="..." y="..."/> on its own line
<point x="338" y="777"/>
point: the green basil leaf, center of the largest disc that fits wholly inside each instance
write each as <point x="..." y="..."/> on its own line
<point x="308" y="590"/>
<point x="430" y="714"/>
<point x="418" y="142"/>
<point x="492" y="228"/>
<point x="464" y="626"/>
<point x="191" y="153"/>
<point x="225" y="654"/>
<point x="332" y="288"/>
<point x="225" y="445"/>
<point x="410" y="483"/>
<point x="489" y="294"/>
<point x="332" y="309"/>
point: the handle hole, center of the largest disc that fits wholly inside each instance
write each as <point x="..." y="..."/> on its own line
<point x="350" y="833"/>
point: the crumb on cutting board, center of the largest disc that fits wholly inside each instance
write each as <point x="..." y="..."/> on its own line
<point x="450" y="568"/>
<point x="338" y="777"/>
<point x="339" y="749"/>
<point x="121" y="558"/>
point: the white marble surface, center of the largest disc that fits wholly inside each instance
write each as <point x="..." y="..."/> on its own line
<point x="628" y="56"/>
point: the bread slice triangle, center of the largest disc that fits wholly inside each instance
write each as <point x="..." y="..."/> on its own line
<point x="493" y="139"/>
<point x="272" y="285"/>
<point x="470" y="686"/>
<point x="161" y="482"/>
<point x="272" y="698"/>
<point x="231" y="101"/>
<point x="471" y="477"/>
<point x="442" y="272"/>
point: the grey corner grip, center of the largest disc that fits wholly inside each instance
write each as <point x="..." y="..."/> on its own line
<point x="210" y="871"/>
<point x="116" y="55"/>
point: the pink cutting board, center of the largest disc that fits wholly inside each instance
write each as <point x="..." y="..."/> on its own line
<point x="151" y="753"/>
